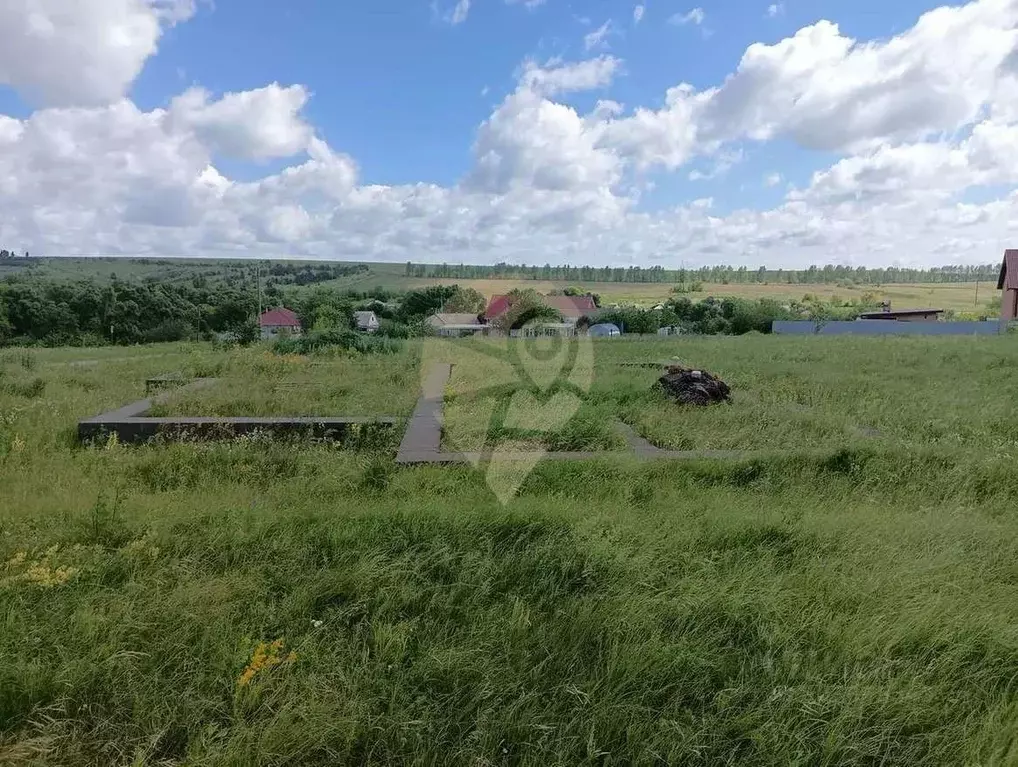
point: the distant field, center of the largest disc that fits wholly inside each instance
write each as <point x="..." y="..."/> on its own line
<point x="848" y="602"/>
<point x="961" y="297"/>
<point x="955" y="296"/>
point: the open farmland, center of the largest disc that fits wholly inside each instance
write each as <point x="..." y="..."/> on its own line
<point x="957" y="296"/>
<point x="844" y="596"/>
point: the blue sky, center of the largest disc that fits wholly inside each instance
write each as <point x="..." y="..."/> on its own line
<point x="416" y="132"/>
<point x="401" y="90"/>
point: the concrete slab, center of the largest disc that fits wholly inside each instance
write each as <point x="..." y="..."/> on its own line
<point x="423" y="434"/>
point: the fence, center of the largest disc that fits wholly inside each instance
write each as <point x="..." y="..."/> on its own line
<point x="886" y="328"/>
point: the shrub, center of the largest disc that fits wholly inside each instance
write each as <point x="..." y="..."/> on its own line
<point x="170" y="330"/>
<point x="688" y="287"/>
<point x="29" y="390"/>
<point x="317" y="342"/>
<point x="392" y="329"/>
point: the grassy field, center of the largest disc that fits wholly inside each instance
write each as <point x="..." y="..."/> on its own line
<point x="251" y="603"/>
<point x="260" y="383"/>
<point x="959" y="297"/>
<point x="798" y="396"/>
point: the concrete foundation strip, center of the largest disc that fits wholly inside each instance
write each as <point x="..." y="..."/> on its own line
<point x="131" y="425"/>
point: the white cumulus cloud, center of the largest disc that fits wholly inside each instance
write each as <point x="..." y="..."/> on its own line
<point x="255" y="125"/>
<point x="556" y="76"/>
<point x="81" y="52"/>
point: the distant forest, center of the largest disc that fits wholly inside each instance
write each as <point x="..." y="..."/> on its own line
<point x="815" y="275"/>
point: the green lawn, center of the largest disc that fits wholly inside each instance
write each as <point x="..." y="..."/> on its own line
<point x="849" y="603"/>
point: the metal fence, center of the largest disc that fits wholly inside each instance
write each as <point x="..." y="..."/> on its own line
<point x="887" y="328"/>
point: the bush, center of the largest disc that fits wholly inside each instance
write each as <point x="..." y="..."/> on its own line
<point x="392" y="329"/>
<point x="688" y="287"/>
<point x="170" y="330"/>
<point x="317" y="342"/>
<point x="29" y="389"/>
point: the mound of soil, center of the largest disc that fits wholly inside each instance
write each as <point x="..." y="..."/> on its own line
<point x="693" y="387"/>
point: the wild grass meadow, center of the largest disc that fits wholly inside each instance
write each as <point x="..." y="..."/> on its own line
<point x="845" y="596"/>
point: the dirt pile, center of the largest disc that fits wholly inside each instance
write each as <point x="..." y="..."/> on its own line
<point x="693" y="387"/>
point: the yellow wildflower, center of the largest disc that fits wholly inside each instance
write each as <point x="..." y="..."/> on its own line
<point x="266" y="656"/>
<point x="17" y="560"/>
<point x="48" y="577"/>
<point x="40" y="572"/>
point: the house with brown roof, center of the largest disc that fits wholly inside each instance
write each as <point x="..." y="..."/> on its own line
<point x="279" y="322"/>
<point x="1008" y="282"/>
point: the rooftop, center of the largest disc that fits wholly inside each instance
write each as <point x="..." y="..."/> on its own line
<point x="568" y="306"/>
<point x="278" y="317"/>
<point x="1008" y="271"/>
<point x="891" y="314"/>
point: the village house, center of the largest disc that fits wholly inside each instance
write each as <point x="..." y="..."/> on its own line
<point x="570" y="307"/>
<point x="366" y="321"/>
<point x="278" y="322"/>
<point x="455" y="324"/>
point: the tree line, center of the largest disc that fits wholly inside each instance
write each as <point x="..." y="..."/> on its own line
<point x="85" y="313"/>
<point x="814" y="275"/>
<point x="89" y="313"/>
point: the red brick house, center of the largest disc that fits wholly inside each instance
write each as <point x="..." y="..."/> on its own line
<point x="1008" y="282"/>
<point x="279" y="322"/>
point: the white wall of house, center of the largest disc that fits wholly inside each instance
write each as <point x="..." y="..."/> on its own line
<point x="278" y="331"/>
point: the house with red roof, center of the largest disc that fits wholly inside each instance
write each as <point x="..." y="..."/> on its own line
<point x="570" y="307"/>
<point x="279" y="322"/>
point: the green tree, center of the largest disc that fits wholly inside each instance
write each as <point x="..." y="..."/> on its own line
<point x="525" y="306"/>
<point x="324" y="308"/>
<point x="424" y="302"/>
<point x="465" y="300"/>
<point x="6" y="328"/>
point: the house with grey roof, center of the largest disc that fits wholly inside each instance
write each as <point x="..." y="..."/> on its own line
<point x="366" y="321"/>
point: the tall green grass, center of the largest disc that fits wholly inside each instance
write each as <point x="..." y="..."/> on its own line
<point x="847" y="605"/>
